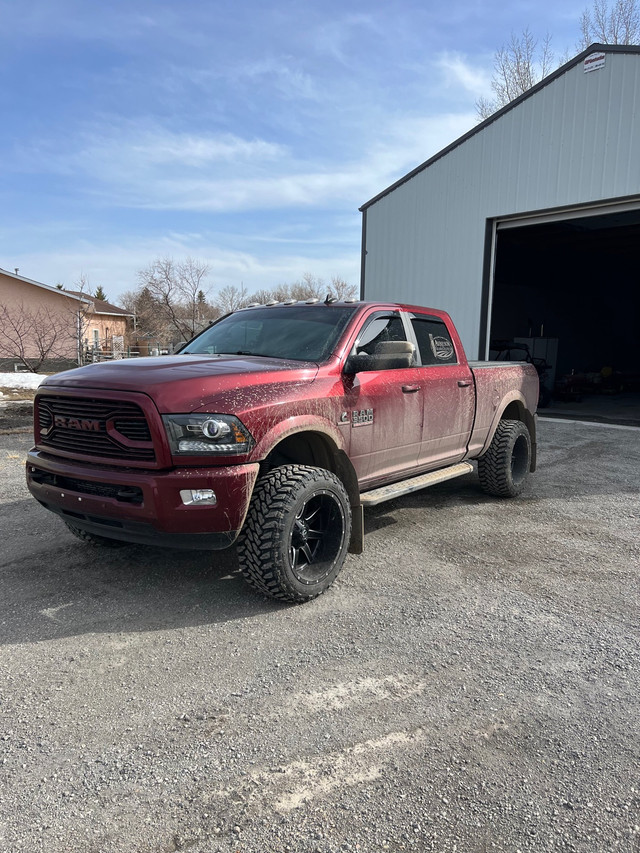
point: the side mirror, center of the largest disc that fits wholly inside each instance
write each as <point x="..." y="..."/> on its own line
<point x="387" y="355"/>
<point x="358" y="363"/>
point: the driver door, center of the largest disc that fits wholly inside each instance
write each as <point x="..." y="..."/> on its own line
<point x="385" y="407"/>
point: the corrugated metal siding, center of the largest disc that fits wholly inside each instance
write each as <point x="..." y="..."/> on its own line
<point x="575" y="141"/>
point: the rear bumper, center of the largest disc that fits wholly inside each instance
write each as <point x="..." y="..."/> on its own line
<point x="142" y="506"/>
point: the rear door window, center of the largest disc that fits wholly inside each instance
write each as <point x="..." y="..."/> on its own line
<point x="434" y="341"/>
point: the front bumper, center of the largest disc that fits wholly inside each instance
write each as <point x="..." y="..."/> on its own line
<point x="144" y="506"/>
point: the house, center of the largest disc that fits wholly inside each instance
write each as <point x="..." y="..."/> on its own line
<point x="39" y="324"/>
<point x="105" y="325"/>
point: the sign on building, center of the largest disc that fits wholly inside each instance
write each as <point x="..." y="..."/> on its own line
<point x="594" y="61"/>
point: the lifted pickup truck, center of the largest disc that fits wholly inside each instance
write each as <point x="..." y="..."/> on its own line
<point x="275" y="427"/>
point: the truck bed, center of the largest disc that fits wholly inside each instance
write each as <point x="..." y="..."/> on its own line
<point x="497" y="383"/>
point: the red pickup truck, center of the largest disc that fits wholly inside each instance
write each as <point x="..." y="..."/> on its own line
<point x="275" y="427"/>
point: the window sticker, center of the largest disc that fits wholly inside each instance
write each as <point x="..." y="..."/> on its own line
<point x="442" y="348"/>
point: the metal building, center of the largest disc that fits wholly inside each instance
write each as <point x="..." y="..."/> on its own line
<point x="528" y="227"/>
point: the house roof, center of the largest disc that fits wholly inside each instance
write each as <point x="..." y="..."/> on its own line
<point x="79" y="296"/>
<point x="100" y="306"/>
<point x="596" y="47"/>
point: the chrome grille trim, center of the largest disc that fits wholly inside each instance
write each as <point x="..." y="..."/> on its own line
<point x="112" y="429"/>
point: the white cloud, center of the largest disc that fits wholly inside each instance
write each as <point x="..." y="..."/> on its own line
<point x="459" y="73"/>
<point x="115" y="266"/>
<point x="128" y="149"/>
<point x="332" y="38"/>
<point x="296" y="136"/>
<point x="283" y="73"/>
<point x="190" y="150"/>
<point x="155" y="169"/>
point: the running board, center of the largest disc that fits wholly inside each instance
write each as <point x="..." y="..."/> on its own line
<point x="405" y="487"/>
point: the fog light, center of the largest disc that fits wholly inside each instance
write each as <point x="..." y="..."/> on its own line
<point x="190" y="497"/>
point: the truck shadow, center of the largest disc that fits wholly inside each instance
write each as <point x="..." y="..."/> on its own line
<point x="442" y="497"/>
<point x="52" y="585"/>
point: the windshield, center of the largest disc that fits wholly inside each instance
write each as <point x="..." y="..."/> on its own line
<point x="298" y="332"/>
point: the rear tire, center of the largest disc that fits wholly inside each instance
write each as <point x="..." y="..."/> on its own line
<point x="295" y="537"/>
<point x="504" y="468"/>
<point x="93" y="538"/>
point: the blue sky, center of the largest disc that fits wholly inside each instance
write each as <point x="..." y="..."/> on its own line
<point x="244" y="134"/>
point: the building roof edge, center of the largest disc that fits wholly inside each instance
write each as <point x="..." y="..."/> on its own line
<point x="605" y="48"/>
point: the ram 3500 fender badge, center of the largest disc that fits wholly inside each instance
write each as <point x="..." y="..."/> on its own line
<point x="361" y="417"/>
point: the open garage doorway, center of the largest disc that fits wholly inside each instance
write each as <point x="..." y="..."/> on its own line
<point x="569" y="290"/>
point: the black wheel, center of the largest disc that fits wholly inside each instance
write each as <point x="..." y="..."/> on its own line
<point x="504" y="468"/>
<point x="296" y="534"/>
<point x="94" y="539"/>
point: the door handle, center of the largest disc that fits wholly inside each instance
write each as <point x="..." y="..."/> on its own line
<point x="410" y="389"/>
<point x="464" y="383"/>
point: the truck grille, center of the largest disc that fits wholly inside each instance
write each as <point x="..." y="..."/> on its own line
<point x="106" y="428"/>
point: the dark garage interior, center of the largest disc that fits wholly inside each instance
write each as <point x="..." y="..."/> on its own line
<point x="569" y="291"/>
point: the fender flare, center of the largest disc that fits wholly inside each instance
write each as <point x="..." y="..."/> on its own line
<point x="291" y="426"/>
<point x="341" y="464"/>
<point x="514" y="405"/>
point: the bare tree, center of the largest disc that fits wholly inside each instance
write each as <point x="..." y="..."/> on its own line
<point x="175" y="287"/>
<point x="522" y="63"/>
<point x="168" y="302"/>
<point x="231" y="297"/>
<point x="79" y="312"/>
<point x="33" y="337"/>
<point x="308" y="287"/>
<point x="263" y="296"/>
<point x="518" y="66"/>
<point x="618" y="23"/>
<point x="82" y="311"/>
<point x="312" y="287"/>
<point x="149" y="319"/>
<point x="341" y="289"/>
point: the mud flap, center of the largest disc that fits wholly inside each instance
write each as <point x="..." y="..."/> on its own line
<point x="356" y="545"/>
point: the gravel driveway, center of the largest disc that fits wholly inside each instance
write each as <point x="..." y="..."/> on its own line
<point x="470" y="683"/>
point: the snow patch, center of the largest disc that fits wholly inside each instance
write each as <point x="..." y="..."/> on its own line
<point x="21" y="380"/>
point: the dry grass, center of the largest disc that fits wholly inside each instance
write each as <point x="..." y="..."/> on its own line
<point x="17" y="394"/>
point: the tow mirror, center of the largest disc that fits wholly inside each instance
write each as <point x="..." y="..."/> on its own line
<point x="387" y="355"/>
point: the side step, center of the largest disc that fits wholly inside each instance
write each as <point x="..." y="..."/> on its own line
<point x="405" y="487"/>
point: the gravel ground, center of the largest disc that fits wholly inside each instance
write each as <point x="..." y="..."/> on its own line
<point x="470" y="683"/>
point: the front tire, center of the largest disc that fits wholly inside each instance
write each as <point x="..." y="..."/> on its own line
<point x="296" y="534"/>
<point x="504" y="468"/>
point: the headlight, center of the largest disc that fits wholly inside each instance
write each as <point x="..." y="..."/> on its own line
<point x="194" y="435"/>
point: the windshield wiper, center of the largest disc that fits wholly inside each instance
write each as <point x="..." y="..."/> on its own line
<point x="235" y="352"/>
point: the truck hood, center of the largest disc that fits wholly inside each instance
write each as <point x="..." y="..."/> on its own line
<point x="185" y="383"/>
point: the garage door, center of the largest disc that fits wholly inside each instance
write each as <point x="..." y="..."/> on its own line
<point x="567" y="286"/>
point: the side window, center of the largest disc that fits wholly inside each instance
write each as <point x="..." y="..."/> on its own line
<point x="376" y="331"/>
<point x="434" y="342"/>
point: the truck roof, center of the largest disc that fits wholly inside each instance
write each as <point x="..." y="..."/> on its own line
<point x="330" y="302"/>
